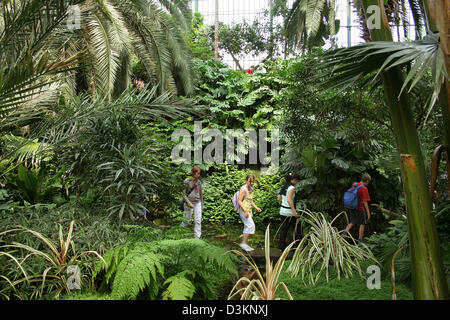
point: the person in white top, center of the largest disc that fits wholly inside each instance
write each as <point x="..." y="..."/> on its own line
<point x="287" y="198"/>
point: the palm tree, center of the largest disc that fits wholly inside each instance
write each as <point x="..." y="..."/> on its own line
<point x="40" y="57"/>
<point x="438" y="13"/>
<point x="33" y="56"/>
<point x="114" y="30"/>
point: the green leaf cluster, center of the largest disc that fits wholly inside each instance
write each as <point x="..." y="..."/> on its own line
<point x="164" y="269"/>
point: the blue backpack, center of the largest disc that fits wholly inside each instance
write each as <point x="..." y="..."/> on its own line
<point x="351" y="196"/>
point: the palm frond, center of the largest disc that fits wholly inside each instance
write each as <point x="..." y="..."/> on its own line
<point x="305" y="21"/>
<point x="369" y="60"/>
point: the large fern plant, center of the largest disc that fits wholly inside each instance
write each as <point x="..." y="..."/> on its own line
<point x="164" y="269"/>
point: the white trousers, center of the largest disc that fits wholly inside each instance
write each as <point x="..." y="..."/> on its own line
<point x="197" y="211"/>
<point x="249" y="225"/>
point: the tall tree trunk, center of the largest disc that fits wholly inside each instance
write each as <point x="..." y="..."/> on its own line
<point x="426" y="260"/>
<point x="123" y="76"/>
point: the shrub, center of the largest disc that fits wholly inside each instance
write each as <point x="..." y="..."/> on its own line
<point x="221" y="185"/>
<point x="57" y="259"/>
<point x="323" y="246"/>
<point x="164" y="269"/>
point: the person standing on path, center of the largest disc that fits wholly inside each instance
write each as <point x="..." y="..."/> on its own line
<point x="361" y="214"/>
<point x="287" y="209"/>
<point x="245" y="210"/>
<point x="193" y="201"/>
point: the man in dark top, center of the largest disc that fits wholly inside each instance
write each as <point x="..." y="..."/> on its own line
<point x="361" y="214"/>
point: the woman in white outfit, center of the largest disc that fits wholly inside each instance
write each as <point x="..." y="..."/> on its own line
<point x="245" y="211"/>
<point x="193" y="201"/>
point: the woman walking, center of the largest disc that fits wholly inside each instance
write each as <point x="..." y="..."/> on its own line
<point x="193" y="201"/>
<point x="287" y="209"/>
<point x="245" y="210"/>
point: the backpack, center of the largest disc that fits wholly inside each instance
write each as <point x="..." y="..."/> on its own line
<point x="351" y="196"/>
<point x="235" y="200"/>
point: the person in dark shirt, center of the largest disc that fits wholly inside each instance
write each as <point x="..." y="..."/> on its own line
<point x="361" y="214"/>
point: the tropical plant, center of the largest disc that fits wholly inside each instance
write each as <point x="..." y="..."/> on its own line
<point x="352" y="289"/>
<point x="39" y="51"/>
<point x="393" y="244"/>
<point x="323" y="246"/>
<point x="5" y="290"/>
<point x="30" y="153"/>
<point x="309" y="22"/>
<point x="113" y="31"/>
<point x="107" y="145"/>
<point x="164" y="269"/>
<point x="371" y="59"/>
<point x="58" y="258"/>
<point x="35" y="185"/>
<point x="128" y="181"/>
<point x="223" y="182"/>
<point x="262" y="287"/>
<point x="386" y="244"/>
<point x="33" y="57"/>
<point x="197" y="39"/>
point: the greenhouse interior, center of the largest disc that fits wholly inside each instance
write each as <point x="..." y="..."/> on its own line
<point x="224" y="150"/>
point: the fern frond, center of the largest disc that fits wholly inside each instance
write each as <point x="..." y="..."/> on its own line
<point x="179" y="287"/>
<point x="136" y="272"/>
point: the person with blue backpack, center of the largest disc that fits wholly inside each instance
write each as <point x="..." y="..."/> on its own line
<point x="356" y="201"/>
<point x="243" y="203"/>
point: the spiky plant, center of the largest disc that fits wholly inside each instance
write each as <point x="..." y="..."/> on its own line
<point x="324" y="246"/>
<point x="58" y="259"/>
<point x="263" y="287"/>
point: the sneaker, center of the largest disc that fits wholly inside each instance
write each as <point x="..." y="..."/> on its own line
<point x="361" y="242"/>
<point x="246" y="247"/>
<point x="345" y="233"/>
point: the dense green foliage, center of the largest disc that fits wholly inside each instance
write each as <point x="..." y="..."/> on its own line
<point x="395" y="241"/>
<point x="93" y="148"/>
<point x="164" y="268"/>
<point x="221" y="185"/>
